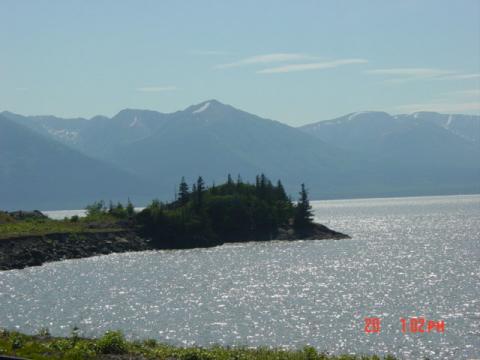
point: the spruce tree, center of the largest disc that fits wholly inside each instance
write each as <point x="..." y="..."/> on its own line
<point x="130" y="209"/>
<point x="194" y="192"/>
<point x="303" y="219"/>
<point x="183" y="194"/>
<point x="200" y="190"/>
<point x="280" y="190"/>
<point x="263" y="181"/>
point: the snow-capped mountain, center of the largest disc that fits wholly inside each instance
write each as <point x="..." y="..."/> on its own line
<point x="357" y="155"/>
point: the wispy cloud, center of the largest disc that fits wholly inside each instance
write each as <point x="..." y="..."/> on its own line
<point x="444" y="107"/>
<point x="466" y="93"/>
<point x="460" y="77"/>
<point x="408" y="74"/>
<point x="265" y="59"/>
<point x="209" y="52"/>
<point x="156" y="88"/>
<point x="411" y="72"/>
<point x="311" y="66"/>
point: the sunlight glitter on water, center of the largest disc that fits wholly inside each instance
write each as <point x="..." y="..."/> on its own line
<point x="408" y="257"/>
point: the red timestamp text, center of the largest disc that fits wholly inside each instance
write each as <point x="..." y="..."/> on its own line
<point x="421" y="325"/>
<point x="410" y="325"/>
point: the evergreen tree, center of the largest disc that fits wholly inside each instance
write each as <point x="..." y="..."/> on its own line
<point x="303" y="218"/>
<point x="263" y="185"/>
<point x="281" y="194"/>
<point x="263" y="181"/>
<point x="110" y="207"/>
<point x="200" y="190"/>
<point x="238" y="211"/>
<point x="130" y="209"/>
<point x="183" y="194"/>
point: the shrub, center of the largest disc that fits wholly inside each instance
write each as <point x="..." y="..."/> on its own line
<point x="150" y="343"/>
<point x="196" y="354"/>
<point x="310" y="353"/>
<point x="5" y="218"/>
<point x="61" y="345"/>
<point x="96" y="209"/>
<point x="44" y="331"/>
<point x="17" y="341"/>
<point x="82" y="350"/>
<point x="112" y="342"/>
<point x="75" y="334"/>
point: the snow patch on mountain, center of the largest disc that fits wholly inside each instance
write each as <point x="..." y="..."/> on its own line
<point x="202" y="108"/>
<point x="64" y="134"/>
<point x="449" y="121"/>
<point x="134" y="122"/>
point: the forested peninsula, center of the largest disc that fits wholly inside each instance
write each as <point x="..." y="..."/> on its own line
<point x="200" y="216"/>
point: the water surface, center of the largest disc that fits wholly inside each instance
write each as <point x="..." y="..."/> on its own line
<point x="408" y="257"/>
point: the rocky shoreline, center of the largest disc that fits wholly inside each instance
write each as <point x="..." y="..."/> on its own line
<point x="24" y="251"/>
<point x="317" y="232"/>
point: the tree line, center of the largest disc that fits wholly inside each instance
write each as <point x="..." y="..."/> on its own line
<point x="207" y="216"/>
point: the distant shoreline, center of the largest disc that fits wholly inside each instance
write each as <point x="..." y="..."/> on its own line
<point x="61" y="213"/>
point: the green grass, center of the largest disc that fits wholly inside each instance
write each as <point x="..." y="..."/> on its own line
<point x="48" y="226"/>
<point x="112" y="345"/>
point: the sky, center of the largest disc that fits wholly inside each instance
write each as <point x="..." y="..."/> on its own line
<point x="293" y="61"/>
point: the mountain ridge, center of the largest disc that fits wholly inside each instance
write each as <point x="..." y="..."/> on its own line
<point x="37" y="171"/>
<point x="362" y="154"/>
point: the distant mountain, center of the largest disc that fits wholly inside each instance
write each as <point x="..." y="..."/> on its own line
<point x="38" y="172"/>
<point x="417" y="153"/>
<point x="97" y="137"/>
<point x="358" y="155"/>
<point x="210" y="139"/>
<point x="466" y="126"/>
<point x="213" y="139"/>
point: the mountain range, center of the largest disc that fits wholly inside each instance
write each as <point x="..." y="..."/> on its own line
<point x="52" y="163"/>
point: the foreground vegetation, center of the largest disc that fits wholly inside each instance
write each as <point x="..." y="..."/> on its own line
<point x="112" y="345"/>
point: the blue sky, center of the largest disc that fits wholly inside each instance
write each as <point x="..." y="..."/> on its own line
<point x="293" y="61"/>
